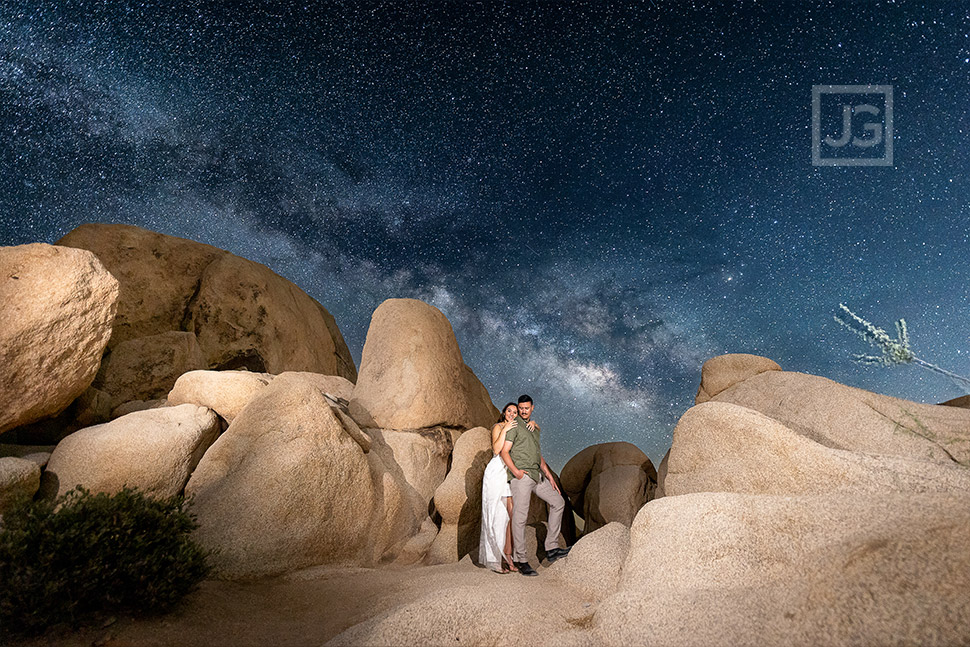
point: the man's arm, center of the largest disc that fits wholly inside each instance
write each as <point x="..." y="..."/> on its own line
<point x="516" y="472"/>
<point x="545" y="470"/>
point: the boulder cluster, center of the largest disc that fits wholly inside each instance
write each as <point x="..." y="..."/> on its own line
<point x="790" y="509"/>
<point x="793" y="510"/>
<point x="143" y="360"/>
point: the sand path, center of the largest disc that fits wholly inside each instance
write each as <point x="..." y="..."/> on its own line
<point x="446" y="604"/>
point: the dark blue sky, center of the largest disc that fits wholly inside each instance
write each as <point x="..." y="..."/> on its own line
<point x="598" y="196"/>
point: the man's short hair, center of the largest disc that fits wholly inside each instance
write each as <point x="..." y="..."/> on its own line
<point x="525" y="398"/>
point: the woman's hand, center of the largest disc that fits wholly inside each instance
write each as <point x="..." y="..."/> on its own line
<point x="509" y="424"/>
<point x="531" y="425"/>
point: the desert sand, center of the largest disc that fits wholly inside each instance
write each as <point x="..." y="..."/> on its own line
<point x="313" y="606"/>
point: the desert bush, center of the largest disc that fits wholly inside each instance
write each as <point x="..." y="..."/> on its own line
<point x="87" y="554"/>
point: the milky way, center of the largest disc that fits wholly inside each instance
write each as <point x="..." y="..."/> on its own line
<point x="598" y="197"/>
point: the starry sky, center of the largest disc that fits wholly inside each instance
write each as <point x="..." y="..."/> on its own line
<point x="599" y="196"/>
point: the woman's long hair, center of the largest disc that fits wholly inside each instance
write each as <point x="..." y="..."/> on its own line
<point x="501" y="414"/>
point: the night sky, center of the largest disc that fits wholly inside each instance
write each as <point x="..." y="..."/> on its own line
<point x="599" y="197"/>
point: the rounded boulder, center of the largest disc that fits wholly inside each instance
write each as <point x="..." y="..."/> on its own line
<point x="286" y="487"/>
<point x="58" y="306"/>
<point x="154" y="450"/>
<point x="723" y="371"/>
<point x="225" y="392"/>
<point x="609" y="482"/>
<point x="412" y="374"/>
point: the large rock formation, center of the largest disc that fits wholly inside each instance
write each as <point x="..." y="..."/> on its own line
<point x="293" y="483"/>
<point x="241" y="312"/>
<point x="801" y="512"/>
<point x="609" y="482"/>
<point x="723" y="447"/>
<point x="723" y="371"/>
<point x="244" y="314"/>
<point x="158" y="274"/>
<point x="718" y="568"/>
<point x="154" y="450"/>
<point x="412" y="374"/>
<point x="58" y="305"/>
<point x="844" y="417"/>
<point x="284" y="487"/>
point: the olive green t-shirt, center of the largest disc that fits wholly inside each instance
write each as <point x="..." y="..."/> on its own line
<point x="525" y="449"/>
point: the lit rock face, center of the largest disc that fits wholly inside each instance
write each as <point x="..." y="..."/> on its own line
<point x="154" y="450"/>
<point x="241" y="313"/>
<point x="294" y="482"/>
<point x="844" y="417"/>
<point x="723" y="371"/>
<point x="58" y="305"/>
<point x="412" y="374"/>
<point x="717" y="568"/>
<point x="723" y="447"/>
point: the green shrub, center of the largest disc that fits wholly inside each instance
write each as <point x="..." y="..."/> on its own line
<point x="87" y="554"/>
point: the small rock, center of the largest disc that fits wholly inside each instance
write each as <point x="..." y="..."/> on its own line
<point x="18" y="477"/>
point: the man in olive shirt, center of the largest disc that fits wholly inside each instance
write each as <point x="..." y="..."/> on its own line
<point x="529" y="473"/>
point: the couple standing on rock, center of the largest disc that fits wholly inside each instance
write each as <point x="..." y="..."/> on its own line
<point x="516" y="470"/>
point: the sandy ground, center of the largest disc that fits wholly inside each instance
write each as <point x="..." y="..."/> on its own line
<point x="310" y="607"/>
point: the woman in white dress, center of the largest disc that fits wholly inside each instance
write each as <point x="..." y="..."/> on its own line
<point x="495" y="545"/>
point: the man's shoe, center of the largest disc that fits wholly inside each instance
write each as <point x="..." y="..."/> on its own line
<point x="556" y="553"/>
<point x="525" y="569"/>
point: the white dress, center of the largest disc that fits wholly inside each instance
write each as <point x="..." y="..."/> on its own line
<point x="495" y="516"/>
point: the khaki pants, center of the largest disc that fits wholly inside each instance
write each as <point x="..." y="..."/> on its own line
<point x="522" y="490"/>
